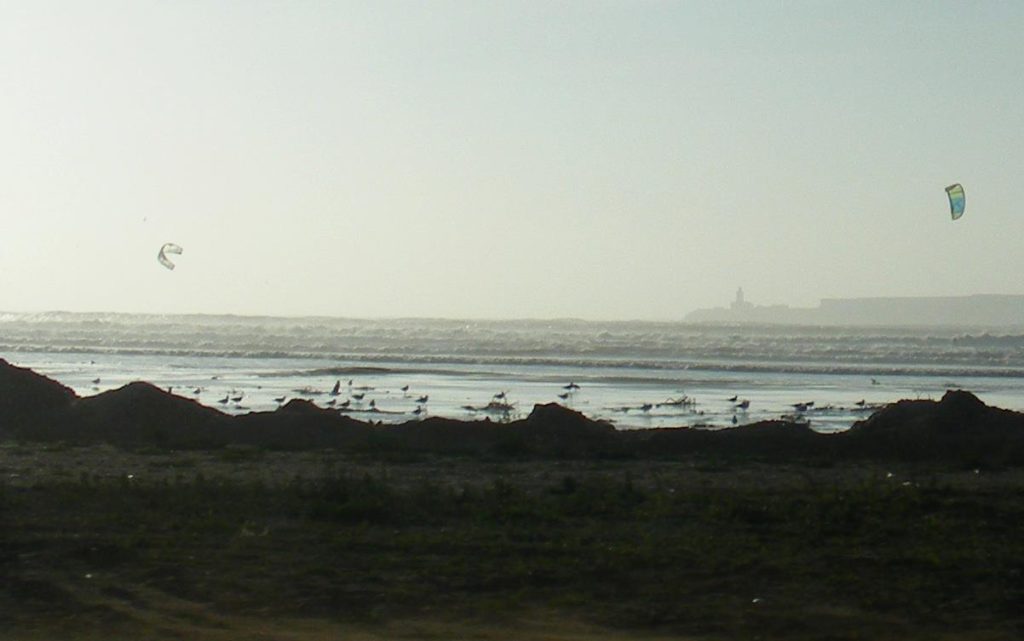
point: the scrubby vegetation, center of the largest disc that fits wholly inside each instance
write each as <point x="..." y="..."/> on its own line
<point x="725" y="550"/>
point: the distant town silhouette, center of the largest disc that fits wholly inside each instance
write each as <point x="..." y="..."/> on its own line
<point x="978" y="310"/>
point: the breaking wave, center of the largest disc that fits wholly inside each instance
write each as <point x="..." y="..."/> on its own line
<point x="376" y="346"/>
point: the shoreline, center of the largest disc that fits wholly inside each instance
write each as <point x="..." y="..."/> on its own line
<point x="622" y="369"/>
<point x="957" y="429"/>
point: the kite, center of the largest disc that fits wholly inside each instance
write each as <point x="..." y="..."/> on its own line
<point x="168" y="248"/>
<point x="957" y="200"/>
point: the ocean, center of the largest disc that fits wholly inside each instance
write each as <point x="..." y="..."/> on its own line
<point x="635" y="374"/>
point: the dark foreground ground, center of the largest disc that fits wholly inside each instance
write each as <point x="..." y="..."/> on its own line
<point x="99" y="542"/>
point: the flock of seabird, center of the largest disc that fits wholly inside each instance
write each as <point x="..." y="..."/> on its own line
<point x="498" y="404"/>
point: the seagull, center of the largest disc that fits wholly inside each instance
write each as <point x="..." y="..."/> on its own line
<point x="500" y="395"/>
<point x="564" y="396"/>
<point x="238" y="398"/>
<point x="373" y="405"/>
<point x="860" y="403"/>
<point x="95" y="381"/>
<point x="224" y="401"/>
<point x="732" y="399"/>
<point x="404" y="388"/>
<point x="197" y="390"/>
<point x="800" y="407"/>
<point x="744" y="404"/>
<point x="345" y="404"/>
<point x="279" y="399"/>
<point x="646" y="407"/>
<point x="331" y="402"/>
<point x="571" y="386"/>
<point x="334" y="390"/>
<point x="419" y="410"/>
<point x="422" y="399"/>
<point x="359" y="397"/>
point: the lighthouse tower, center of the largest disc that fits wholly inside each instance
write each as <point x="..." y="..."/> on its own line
<point x="740" y="304"/>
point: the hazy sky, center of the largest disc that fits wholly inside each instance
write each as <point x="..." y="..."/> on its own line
<point x="605" y="160"/>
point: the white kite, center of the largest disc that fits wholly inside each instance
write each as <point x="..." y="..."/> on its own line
<point x="168" y="248"/>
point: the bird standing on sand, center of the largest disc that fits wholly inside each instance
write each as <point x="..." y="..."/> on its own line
<point x="744" y="404"/>
<point x="224" y="401"/>
<point x="732" y="399"/>
<point x="423" y="399"/>
<point x="359" y="396"/>
<point x="564" y="396"/>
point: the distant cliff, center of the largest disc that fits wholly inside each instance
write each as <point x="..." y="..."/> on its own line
<point x="980" y="310"/>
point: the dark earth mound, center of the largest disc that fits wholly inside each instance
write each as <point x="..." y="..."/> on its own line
<point x="958" y="428"/>
<point x="25" y="393"/>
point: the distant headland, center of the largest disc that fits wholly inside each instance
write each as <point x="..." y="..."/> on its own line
<point x="979" y="310"/>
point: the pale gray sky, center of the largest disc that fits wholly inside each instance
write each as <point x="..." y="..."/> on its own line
<point x="605" y="160"/>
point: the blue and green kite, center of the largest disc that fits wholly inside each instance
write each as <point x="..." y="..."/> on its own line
<point x="957" y="200"/>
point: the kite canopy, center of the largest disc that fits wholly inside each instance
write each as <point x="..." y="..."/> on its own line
<point x="957" y="200"/>
<point x="168" y="248"/>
